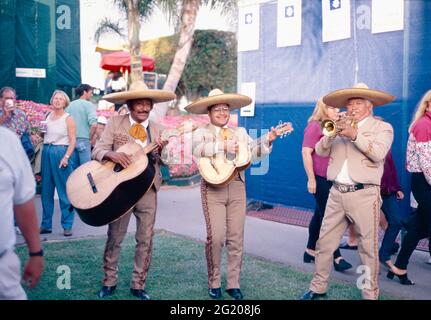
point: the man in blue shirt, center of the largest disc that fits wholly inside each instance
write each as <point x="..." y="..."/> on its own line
<point x="84" y="114"/>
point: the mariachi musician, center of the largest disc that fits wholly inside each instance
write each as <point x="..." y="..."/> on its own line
<point x="122" y="129"/>
<point x="356" y="159"/>
<point x="224" y="206"/>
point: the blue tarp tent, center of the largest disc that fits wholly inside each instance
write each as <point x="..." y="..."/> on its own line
<point x="289" y="80"/>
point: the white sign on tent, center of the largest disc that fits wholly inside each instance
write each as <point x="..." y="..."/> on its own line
<point x="248" y="89"/>
<point x="289" y="20"/>
<point x="248" y="28"/>
<point x="387" y="15"/>
<point x="335" y="20"/>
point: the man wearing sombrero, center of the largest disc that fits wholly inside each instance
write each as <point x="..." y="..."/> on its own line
<point x="356" y="163"/>
<point x="224" y="206"/>
<point x="122" y="129"/>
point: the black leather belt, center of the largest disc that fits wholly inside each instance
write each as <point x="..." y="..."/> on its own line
<point x="344" y="188"/>
<point x="57" y="145"/>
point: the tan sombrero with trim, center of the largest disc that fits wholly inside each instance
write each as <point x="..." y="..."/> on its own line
<point x="340" y="98"/>
<point x="139" y="90"/>
<point x="216" y="96"/>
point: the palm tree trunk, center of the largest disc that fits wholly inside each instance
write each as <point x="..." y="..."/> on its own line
<point x="189" y="13"/>
<point x="134" y="25"/>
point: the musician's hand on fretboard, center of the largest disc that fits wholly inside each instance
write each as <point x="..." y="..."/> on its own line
<point x="272" y="135"/>
<point x="161" y="143"/>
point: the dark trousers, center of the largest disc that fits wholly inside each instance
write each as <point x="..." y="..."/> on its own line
<point x="321" y="196"/>
<point x="419" y="225"/>
<point x="391" y="210"/>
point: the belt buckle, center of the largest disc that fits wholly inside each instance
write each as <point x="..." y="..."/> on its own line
<point x="343" y="188"/>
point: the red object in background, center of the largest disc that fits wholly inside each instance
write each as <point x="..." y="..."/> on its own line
<point x="120" y="61"/>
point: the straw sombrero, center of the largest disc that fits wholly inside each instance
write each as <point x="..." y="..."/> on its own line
<point x="139" y="90"/>
<point x="340" y="98"/>
<point x="216" y="96"/>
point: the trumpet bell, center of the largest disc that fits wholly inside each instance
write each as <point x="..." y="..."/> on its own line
<point x="328" y="128"/>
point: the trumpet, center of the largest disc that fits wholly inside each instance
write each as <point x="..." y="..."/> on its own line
<point x="331" y="129"/>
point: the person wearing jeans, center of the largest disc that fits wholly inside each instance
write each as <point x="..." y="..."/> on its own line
<point x="83" y="148"/>
<point x="419" y="164"/>
<point x="83" y="113"/>
<point x="55" y="178"/>
<point x="390" y="191"/>
<point x="59" y="159"/>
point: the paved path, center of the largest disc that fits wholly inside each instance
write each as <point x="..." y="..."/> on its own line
<point x="180" y="212"/>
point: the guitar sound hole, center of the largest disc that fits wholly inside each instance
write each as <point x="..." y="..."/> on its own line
<point x="118" y="167"/>
<point x="230" y="156"/>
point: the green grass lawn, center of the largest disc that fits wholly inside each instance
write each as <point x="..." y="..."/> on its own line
<point x="177" y="272"/>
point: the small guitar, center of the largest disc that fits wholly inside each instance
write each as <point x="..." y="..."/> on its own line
<point x="220" y="170"/>
<point x="103" y="192"/>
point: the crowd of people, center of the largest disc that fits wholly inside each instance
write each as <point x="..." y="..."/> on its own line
<point x="349" y="167"/>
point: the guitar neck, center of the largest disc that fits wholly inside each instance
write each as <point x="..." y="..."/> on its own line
<point x="150" y="147"/>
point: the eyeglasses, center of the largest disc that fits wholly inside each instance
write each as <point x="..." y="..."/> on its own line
<point x="220" y="109"/>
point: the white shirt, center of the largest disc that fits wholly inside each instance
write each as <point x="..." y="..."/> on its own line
<point x="57" y="132"/>
<point x="343" y="176"/>
<point x="145" y="125"/>
<point x="17" y="185"/>
<point x="119" y="84"/>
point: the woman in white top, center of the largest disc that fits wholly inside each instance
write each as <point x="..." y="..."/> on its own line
<point x="59" y="159"/>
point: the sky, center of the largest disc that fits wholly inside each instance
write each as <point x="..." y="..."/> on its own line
<point x="92" y="11"/>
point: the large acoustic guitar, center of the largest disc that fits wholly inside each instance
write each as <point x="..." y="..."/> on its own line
<point x="220" y="169"/>
<point x="103" y="192"/>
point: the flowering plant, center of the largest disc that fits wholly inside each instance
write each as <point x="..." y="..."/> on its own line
<point x="35" y="113"/>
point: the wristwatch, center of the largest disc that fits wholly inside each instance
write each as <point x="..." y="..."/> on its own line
<point x="66" y="155"/>
<point x="36" y="254"/>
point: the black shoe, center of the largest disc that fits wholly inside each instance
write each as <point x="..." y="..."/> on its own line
<point x="106" y="291"/>
<point x="311" y="295"/>
<point x="235" y="293"/>
<point x="140" y="293"/>
<point x="395" y="248"/>
<point x="403" y="278"/>
<point x="308" y="258"/>
<point x="44" y="231"/>
<point x="347" y="246"/>
<point x="214" y="293"/>
<point x="343" y="265"/>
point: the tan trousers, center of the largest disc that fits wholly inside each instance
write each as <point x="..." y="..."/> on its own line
<point x="224" y="210"/>
<point x="145" y="213"/>
<point x="361" y="208"/>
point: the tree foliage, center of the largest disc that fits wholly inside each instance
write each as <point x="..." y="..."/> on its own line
<point x="212" y="62"/>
